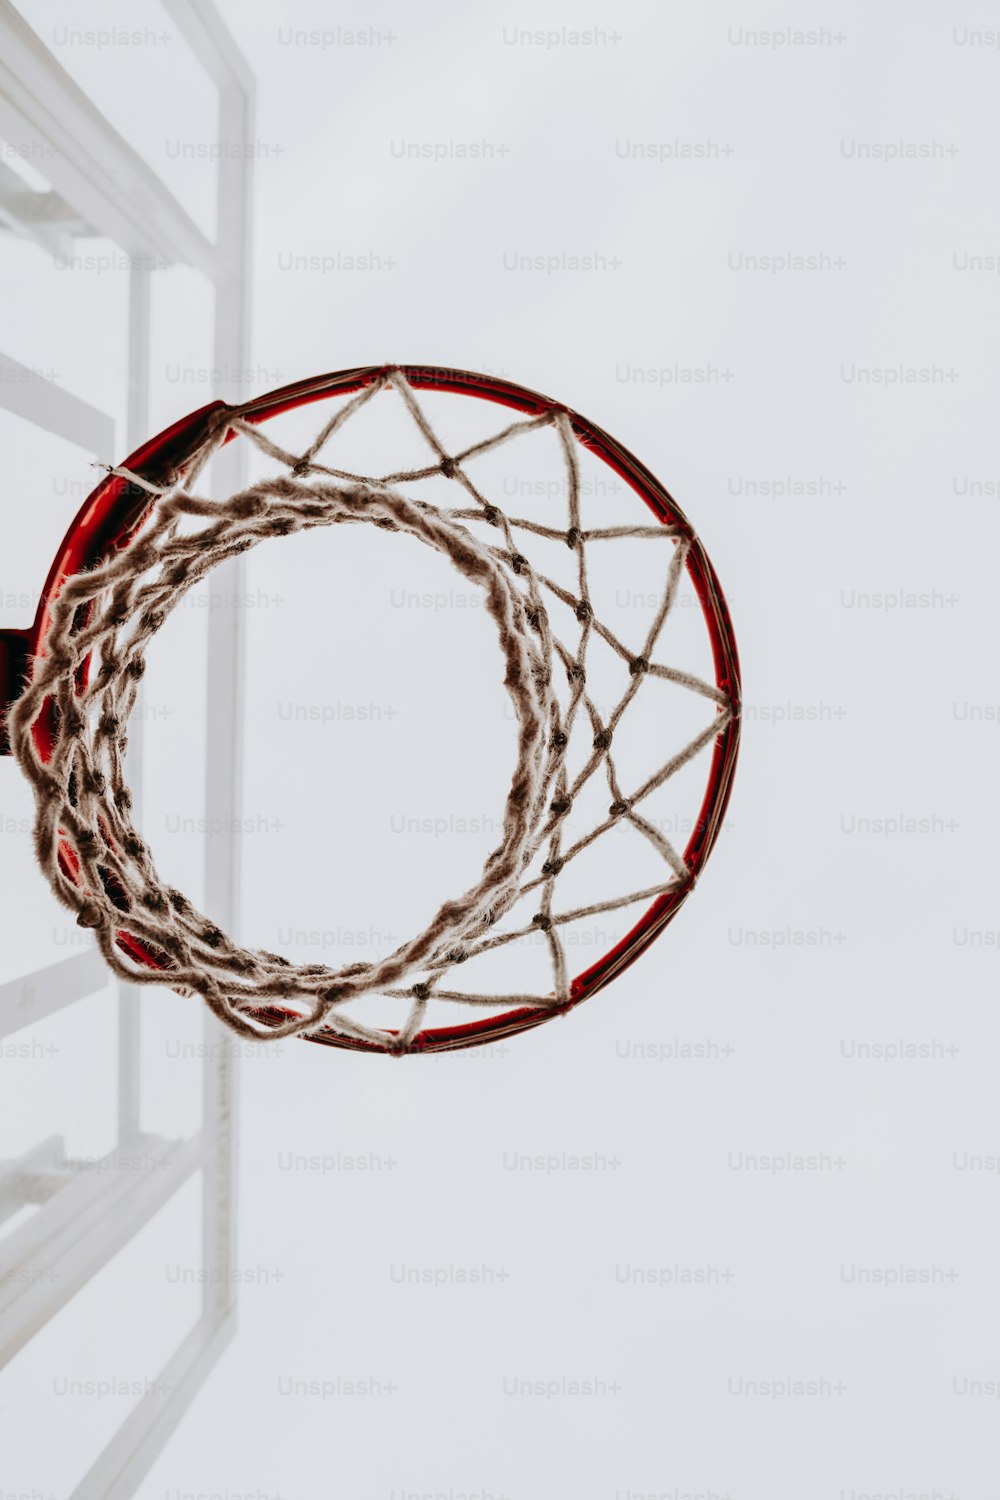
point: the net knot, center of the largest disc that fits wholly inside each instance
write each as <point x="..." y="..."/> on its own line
<point x="246" y="506"/>
<point x="491" y="515"/>
<point x="449" y="468"/>
<point x="517" y="562"/>
<point x="574" y="537"/>
<point x="59" y="659"/>
<point x="134" y="847"/>
<point x="638" y="665"/>
<point x="89" y="915"/>
<point x="619" y="808"/>
<point x="213" y="937"/>
<point x="560" y="805"/>
<point x="552" y="866"/>
<point x="542" y="921"/>
<point x="583" y="611"/>
<point x="602" y="739"/>
<point x="143" y="555"/>
<point x="560" y="740"/>
<point x="420" y="991"/>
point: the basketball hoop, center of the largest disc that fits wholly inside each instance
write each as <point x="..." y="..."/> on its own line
<point x="145" y="537"/>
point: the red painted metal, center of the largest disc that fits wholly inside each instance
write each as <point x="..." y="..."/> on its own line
<point x="109" y="517"/>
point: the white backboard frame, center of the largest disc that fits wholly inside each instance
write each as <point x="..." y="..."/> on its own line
<point x="83" y="1219"/>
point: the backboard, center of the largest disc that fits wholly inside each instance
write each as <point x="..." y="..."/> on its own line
<point x="123" y="251"/>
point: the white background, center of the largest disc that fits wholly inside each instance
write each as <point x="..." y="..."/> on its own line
<point x="808" y="938"/>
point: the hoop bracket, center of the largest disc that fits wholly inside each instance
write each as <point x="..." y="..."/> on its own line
<point x="15" y="649"/>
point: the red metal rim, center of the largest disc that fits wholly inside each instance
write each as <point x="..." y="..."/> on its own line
<point x="112" y="513"/>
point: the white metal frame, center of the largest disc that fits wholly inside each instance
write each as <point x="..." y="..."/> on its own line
<point x="84" y="1218"/>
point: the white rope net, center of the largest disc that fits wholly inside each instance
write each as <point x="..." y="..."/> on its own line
<point x="100" y="866"/>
